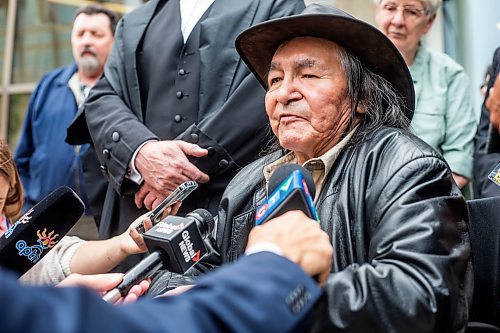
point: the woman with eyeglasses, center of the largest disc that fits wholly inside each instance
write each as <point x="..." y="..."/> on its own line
<point x="444" y="117"/>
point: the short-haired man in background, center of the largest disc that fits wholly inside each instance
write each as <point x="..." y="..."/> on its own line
<point x="44" y="160"/>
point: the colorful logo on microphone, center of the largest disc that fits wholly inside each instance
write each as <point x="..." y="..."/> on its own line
<point x="34" y="252"/>
<point x="261" y="211"/>
<point x="186" y="247"/>
<point x="22" y="220"/>
<point x="168" y="228"/>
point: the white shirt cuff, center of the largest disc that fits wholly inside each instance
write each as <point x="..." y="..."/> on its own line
<point x="134" y="175"/>
<point x="264" y="247"/>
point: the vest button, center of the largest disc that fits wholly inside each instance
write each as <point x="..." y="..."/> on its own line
<point x="211" y="151"/>
<point x="223" y="164"/>
<point x="106" y="153"/>
<point x="193" y="138"/>
<point x="177" y="118"/>
<point x="115" y="136"/>
<point x="179" y="94"/>
<point x="181" y="71"/>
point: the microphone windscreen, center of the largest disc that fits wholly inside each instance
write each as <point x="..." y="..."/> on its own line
<point x="39" y="229"/>
<point x="281" y="173"/>
<point x="206" y="219"/>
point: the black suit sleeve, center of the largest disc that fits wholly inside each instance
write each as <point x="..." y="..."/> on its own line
<point x="487" y="143"/>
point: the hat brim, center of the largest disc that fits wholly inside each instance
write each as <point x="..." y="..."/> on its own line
<point x="257" y="46"/>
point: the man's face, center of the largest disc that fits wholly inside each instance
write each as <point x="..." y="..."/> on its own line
<point x="306" y="101"/>
<point x="91" y="41"/>
<point x="404" y="22"/>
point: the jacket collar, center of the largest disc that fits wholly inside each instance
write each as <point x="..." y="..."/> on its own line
<point x="66" y="74"/>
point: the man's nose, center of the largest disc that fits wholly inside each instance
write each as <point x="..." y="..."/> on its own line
<point x="288" y="92"/>
<point x="87" y="38"/>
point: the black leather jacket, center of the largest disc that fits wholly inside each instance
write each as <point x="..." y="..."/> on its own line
<point x="398" y="225"/>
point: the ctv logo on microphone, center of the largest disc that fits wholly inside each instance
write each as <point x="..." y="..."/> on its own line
<point x="186" y="247"/>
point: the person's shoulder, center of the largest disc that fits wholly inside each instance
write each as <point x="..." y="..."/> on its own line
<point x="140" y="11"/>
<point x="443" y="61"/>
<point x="63" y="72"/>
<point x="399" y="146"/>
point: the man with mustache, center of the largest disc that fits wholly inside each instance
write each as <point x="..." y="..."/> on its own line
<point x="44" y="160"/>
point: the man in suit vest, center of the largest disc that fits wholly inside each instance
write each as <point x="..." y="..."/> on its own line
<point x="176" y="103"/>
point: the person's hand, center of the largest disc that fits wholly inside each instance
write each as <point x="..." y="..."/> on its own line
<point x="101" y="283"/>
<point x="301" y="240"/>
<point x="131" y="242"/>
<point x="164" y="166"/>
<point x="148" y="197"/>
<point x="177" y="291"/>
<point x="460" y="180"/>
<point x="493" y="104"/>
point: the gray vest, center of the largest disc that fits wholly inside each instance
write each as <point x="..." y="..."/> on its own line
<point x="169" y="85"/>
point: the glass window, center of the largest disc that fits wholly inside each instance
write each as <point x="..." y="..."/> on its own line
<point x="3" y="28"/>
<point x="42" y="39"/>
<point x="17" y="109"/>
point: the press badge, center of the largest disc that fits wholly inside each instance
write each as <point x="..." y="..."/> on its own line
<point x="494" y="175"/>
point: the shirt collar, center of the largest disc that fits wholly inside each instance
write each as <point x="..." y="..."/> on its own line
<point x="319" y="167"/>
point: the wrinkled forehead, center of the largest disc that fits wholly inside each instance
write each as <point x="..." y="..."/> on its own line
<point x="309" y="51"/>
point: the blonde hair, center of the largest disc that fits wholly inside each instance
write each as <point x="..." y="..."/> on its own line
<point x="14" y="199"/>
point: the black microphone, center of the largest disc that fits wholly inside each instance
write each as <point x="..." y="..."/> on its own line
<point x="39" y="229"/>
<point x="175" y="243"/>
<point x="291" y="187"/>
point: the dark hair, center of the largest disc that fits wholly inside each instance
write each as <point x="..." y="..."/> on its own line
<point x="98" y="9"/>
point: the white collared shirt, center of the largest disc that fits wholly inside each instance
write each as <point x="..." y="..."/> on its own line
<point x="191" y="12"/>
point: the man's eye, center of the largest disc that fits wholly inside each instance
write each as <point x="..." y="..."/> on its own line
<point x="309" y="76"/>
<point x="274" y="80"/>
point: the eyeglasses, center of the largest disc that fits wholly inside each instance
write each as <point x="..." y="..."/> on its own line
<point x="409" y="12"/>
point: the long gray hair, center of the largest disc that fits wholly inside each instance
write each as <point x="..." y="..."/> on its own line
<point x="374" y="94"/>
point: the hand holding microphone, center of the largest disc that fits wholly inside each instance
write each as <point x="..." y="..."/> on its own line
<point x="289" y="220"/>
<point x="300" y="239"/>
<point x="176" y="244"/>
<point x="101" y="283"/>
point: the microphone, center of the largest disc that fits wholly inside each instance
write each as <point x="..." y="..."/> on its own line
<point x="39" y="229"/>
<point x="292" y="188"/>
<point x="175" y="243"/>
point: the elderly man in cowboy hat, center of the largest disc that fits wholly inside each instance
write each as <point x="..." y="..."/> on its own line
<point x="339" y="100"/>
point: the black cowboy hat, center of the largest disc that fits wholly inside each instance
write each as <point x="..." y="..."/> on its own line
<point x="257" y="45"/>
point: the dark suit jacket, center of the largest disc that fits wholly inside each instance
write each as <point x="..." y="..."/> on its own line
<point x="231" y="102"/>
<point x="487" y="141"/>
<point x="260" y="293"/>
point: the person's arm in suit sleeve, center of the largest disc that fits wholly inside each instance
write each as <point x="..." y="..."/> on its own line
<point x="252" y="295"/>
<point x="115" y="129"/>
<point x="487" y="141"/>
<point x="240" y="127"/>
